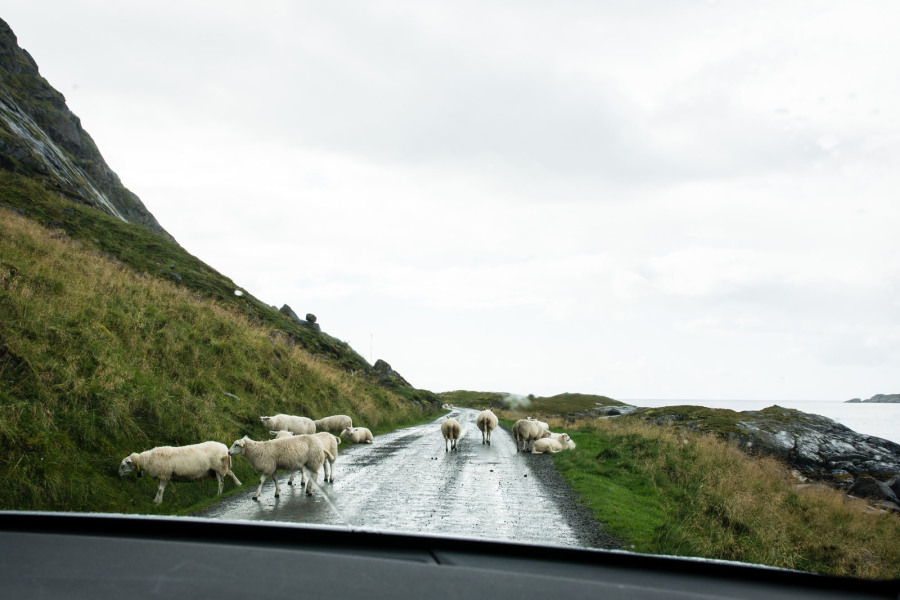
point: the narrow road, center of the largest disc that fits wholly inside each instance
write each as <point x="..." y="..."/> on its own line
<point x="405" y="481"/>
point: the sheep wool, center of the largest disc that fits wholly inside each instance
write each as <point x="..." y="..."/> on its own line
<point x="552" y="445"/>
<point x="294" y="424"/>
<point x="526" y="431"/>
<point x="357" y="435"/>
<point x="486" y="423"/>
<point x="180" y="463"/>
<point x="334" y="423"/>
<point x="295" y="453"/>
<point x="451" y="430"/>
<point x="329" y="443"/>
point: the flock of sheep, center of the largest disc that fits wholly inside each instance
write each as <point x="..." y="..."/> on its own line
<point x="300" y="444"/>
<point x="529" y="434"/>
<point x="304" y="445"/>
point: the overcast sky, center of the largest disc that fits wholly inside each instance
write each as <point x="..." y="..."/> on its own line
<point x="667" y="199"/>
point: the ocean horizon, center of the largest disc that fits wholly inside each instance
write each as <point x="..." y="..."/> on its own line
<point x="879" y="420"/>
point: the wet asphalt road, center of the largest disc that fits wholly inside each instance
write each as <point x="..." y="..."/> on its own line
<point x="405" y="481"/>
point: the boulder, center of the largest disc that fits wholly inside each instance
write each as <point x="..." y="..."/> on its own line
<point x="868" y="487"/>
<point x="388" y="377"/>
<point x="309" y="323"/>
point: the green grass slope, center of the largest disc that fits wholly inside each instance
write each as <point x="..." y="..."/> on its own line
<point x="100" y="356"/>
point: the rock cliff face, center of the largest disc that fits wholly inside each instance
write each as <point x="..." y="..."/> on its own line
<point x="40" y="137"/>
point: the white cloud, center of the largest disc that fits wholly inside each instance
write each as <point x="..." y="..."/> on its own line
<point x="654" y="198"/>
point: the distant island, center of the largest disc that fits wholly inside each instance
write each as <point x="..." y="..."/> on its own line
<point x="879" y="398"/>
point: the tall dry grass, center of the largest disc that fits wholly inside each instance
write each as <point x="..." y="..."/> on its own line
<point x="718" y="502"/>
<point x="97" y="360"/>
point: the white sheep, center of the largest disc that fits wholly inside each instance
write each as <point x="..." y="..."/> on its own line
<point x="541" y="423"/>
<point x="180" y="463"/>
<point x="296" y="453"/>
<point x="450" y="429"/>
<point x="334" y="423"/>
<point x="329" y="443"/>
<point x="486" y="422"/>
<point x="553" y="445"/>
<point x="357" y="435"/>
<point x="527" y="431"/>
<point x="296" y="425"/>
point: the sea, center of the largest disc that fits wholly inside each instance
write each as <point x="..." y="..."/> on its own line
<point x="879" y="420"/>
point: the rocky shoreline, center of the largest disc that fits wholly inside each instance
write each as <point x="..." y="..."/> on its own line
<point x="878" y="399"/>
<point x="813" y="446"/>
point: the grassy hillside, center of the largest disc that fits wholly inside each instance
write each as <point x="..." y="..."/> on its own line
<point x="561" y="404"/>
<point x="148" y="253"/>
<point x="468" y="399"/>
<point x="100" y="357"/>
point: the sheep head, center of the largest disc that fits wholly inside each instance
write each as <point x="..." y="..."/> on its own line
<point x="238" y="446"/>
<point x="129" y="464"/>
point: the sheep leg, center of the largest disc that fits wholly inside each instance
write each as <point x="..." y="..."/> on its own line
<point x="275" y="479"/>
<point x="221" y="482"/>
<point x="237" y="481"/>
<point x="160" y="490"/>
<point x="312" y="479"/>
<point x="262" y="480"/>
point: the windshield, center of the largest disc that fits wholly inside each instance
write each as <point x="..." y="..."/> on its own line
<point x="649" y="247"/>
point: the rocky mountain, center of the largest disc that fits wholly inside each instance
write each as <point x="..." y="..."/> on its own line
<point x="41" y="138"/>
<point x="41" y="141"/>
<point x="879" y="399"/>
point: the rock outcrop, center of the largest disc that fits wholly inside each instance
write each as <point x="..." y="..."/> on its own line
<point x="388" y="377"/>
<point x="40" y="137"/>
<point x="816" y="446"/>
<point x="309" y="323"/>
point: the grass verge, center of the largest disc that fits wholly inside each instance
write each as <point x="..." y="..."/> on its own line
<point x="666" y="491"/>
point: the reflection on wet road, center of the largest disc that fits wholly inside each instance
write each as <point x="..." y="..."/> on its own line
<point x="405" y="481"/>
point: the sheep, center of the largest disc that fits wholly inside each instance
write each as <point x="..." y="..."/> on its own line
<point x="526" y="431"/>
<point x="450" y="429"/>
<point x="541" y="423"/>
<point x="329" y="443"/>
<point x="181" y="463"/>
<point x="486" y="422"/>
<point x="552" y="445"/>
<point x="357" y="435"/>
<point x="296" y="453"/>
<point x="334" y="423"/>
<point x="296" y="425"/>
